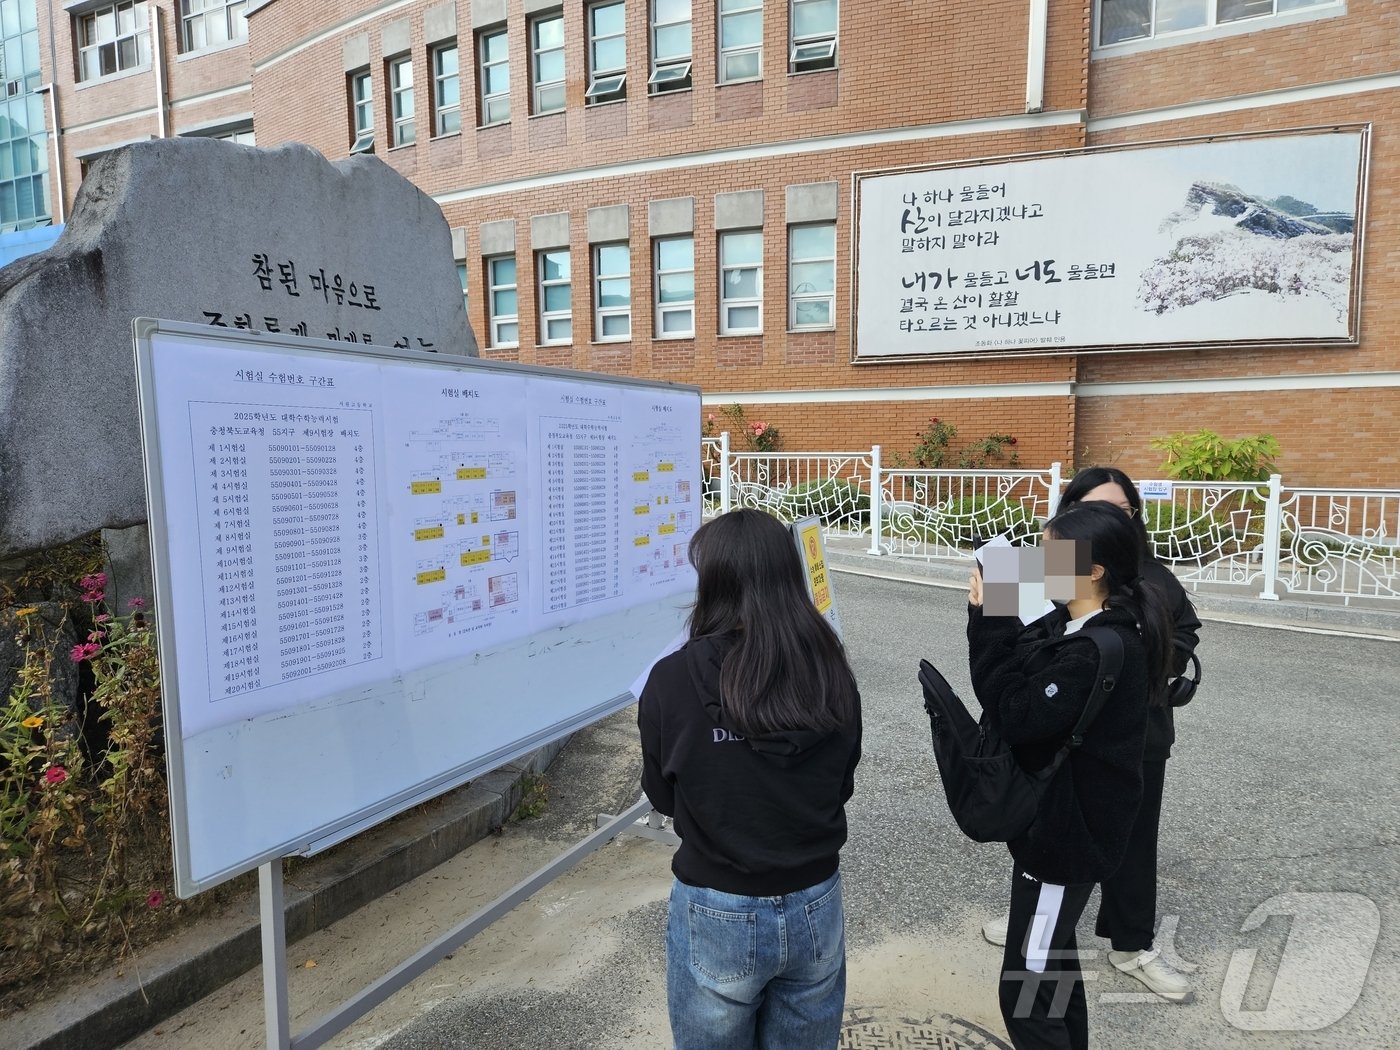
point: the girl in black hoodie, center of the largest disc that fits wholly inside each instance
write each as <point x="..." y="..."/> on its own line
<point x="750" y="739"/>
<point x="1034" y="695"/>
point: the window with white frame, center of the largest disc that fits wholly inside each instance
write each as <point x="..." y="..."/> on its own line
<point x="612" y="291"/>
<point x="670" y="45"/>
<point x="607" y="52"/>
<point x="447" y="92"/>
<point x="547" y="64"/>
<point x="1123" y="21"/>
<point x="112" y="39"/>
<point x="242" y="136"/>
<point x="556" y="297"/>
<point x="493" y="63"/>
<point x="211" y="23"/>
<point x="401" y="100"/>
<point x="675" y="287"/>
<point x="740" y="40"/>
<point x="812" y="276"/>
<point x="502" y="301"/>
<point x="741" y="282"/>
<point x="361" y="112"/>
<point x="462" y="276"/>
<point x="813" y="35"/>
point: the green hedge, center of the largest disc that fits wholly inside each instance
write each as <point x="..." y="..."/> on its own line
<point x="958" y="521"/>
<point x="834" y="500"/>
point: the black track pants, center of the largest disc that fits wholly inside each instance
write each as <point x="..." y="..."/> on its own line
<point x="1128" y="907"/>
<point x="1042" y="991"/>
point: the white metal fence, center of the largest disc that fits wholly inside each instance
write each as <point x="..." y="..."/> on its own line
<point x="1276" y="541"/>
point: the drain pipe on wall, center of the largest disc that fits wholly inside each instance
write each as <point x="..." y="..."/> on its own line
<point x="1035" y="55"/>
<point x="158" y="67"/>
<point x="52" y="92"/>
<point x="57" y="169"/>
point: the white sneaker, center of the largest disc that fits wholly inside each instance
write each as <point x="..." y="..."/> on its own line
<point x="1152" y="970"/>
<point x="995" y="931"/>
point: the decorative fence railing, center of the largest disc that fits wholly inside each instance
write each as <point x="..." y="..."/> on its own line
<point x="1265" y="537"/>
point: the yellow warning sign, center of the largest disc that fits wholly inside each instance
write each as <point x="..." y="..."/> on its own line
<point x="815" y="559"/>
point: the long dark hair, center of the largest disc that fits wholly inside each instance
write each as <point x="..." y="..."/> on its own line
<point x="1090" y="478"/>
<point x="787" y="668"/>
<point x="1114" y="543"/>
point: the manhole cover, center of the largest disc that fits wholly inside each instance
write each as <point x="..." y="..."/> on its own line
<point x="939" y="1032"/>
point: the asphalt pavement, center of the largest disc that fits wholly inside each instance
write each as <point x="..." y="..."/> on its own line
<point x="1278" y="875"/>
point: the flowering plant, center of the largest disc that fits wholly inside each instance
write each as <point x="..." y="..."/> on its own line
<point x="934" y="448"/>
<point x="758" y="436"/>
<point x="84" y="834"/>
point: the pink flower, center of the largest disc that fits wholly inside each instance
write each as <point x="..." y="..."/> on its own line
<point x="103" y="617"/>
<point x="85" y="651"/>
<point x="93" y="597"/>
<point x="96" y="636"/>
<point x="136" y="603"/>
<point x="95" y="582"/>
<point x="155" y="900"/>
<point x="55" y="775"/>
<point x="710" y="418"/>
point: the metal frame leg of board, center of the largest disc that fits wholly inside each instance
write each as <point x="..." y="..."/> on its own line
<point x="652" y="826"/>
<point x="274" y="955"/>
<point x="274" y="939"/>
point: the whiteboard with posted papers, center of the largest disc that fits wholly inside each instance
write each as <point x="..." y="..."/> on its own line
<point x="380" y="573"/>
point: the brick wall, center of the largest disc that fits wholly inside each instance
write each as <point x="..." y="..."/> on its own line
<point x="122" y="107"/>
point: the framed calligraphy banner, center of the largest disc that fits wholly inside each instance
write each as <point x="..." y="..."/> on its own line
<point x="1245" y="240"/>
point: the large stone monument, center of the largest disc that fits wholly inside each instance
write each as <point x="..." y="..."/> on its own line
<point x="276" y="240"/>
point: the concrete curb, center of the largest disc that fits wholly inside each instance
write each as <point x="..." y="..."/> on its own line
<point x="1236" y="606"/>
<point x="167" y="977"/>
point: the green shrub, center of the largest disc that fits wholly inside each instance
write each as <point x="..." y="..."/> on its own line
<point x="959" y="521"/>
<point x="833" y="500"/>
<point x="1181" y="534"/>
<point x="935" y="449"/>
<point x="1206" y="456"/>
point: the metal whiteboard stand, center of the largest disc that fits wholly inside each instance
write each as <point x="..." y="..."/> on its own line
<point x="274" y="953"/>
<point x="651" y="826"/>
<point x="274" y="937"/>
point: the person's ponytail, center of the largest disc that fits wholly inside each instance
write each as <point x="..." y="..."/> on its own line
<point x="1148" y="604"/>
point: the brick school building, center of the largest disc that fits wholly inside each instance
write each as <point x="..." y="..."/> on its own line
<point x="1079" y="222"/>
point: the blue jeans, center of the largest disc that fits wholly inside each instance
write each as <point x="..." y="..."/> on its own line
<point x="756" y="973"/>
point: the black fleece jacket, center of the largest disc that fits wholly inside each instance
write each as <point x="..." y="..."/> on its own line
<point x="758" y="817"/>
<point x="1161" y="725"/>
<point x="1034" y="696"/>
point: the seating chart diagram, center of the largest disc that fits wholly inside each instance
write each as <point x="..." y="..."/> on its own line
<point x="461" y="480"/>
<point x="661" y="494"/>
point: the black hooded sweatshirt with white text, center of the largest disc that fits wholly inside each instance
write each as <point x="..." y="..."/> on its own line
<point x="758" y="817"/>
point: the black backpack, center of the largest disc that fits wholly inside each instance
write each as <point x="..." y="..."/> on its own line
<point x="991" y="797"/>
